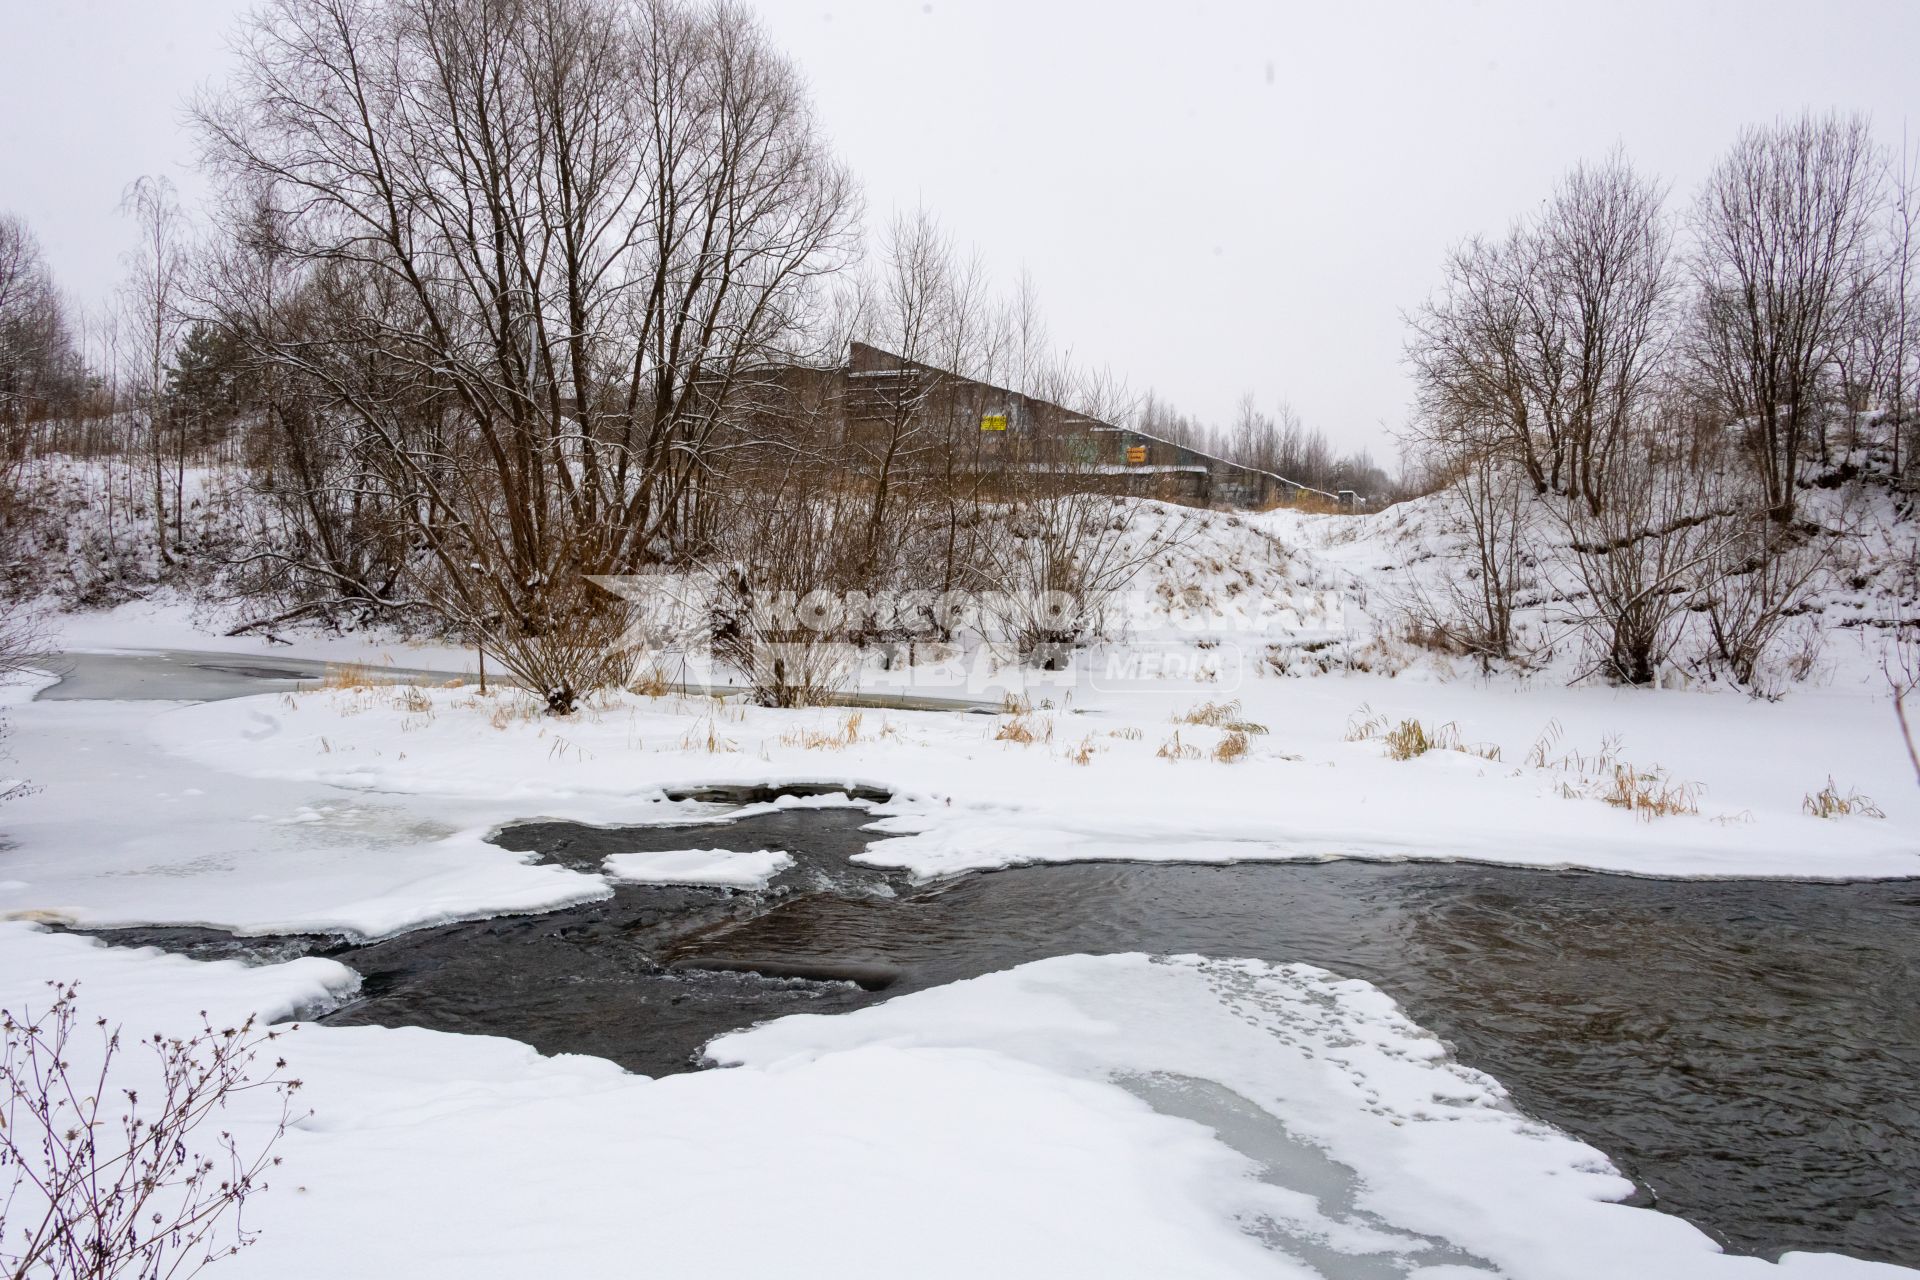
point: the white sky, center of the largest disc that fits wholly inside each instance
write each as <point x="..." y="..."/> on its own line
<point x="1213" y="198"/>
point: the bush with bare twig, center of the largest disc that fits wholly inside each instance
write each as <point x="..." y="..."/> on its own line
<point x="107" y="1167"/>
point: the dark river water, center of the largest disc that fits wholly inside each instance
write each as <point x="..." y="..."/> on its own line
<point x="1747" y="1051"/>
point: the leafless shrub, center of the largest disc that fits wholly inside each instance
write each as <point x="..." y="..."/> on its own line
<point x="1057" y="553"/>
<point x="564" y="643"/>
<point x="777" y="616"/>
<point x="1755" y="577"/>
<point x="1470" y="611"/>
<point x="1637" y="556"/>
<point x="1900" y="664"/>
<point x="106" y="1168"/>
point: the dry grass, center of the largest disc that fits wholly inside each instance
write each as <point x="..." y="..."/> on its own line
<point x="561" y="748"/>
<point x="1015" y="704"/>
<point x="1549" y="738"/>
<point x="843" y="735"/>
<point x="1231" y="748"/>
<point x="1175" y="750"/>
<point x="510" y="710"/>
<point x="1646" y="793"/>
<point x="1221" y="715"/>
<point x="347" y="676"/>
<point x="1015" y="730"/>
<point x="1312" y="504"/>
<point x="1829" y="803"/>
<point x="652" y="683"/>
<point x="1651" y="794"/>
<point x="1364" y="724"/>
<point x="1082" y="754"/>
<point x="1411" y="739"/>
<point x="711" y="742"/>
<point x="1018" y="728"/>
<point x="1131" y="733"/>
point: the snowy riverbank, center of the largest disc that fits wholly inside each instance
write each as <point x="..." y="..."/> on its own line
<point x="1079" y="1117"/>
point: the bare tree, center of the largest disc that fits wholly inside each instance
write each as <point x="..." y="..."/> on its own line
<point x="1902" y="291"/>
<point x="153" y="298"/>
<point x="582" y="230"/>
<point x="930" y="308"/>
<point x="1539" y="345"/>
<point x="1604" y="250"/>
<point x="1783" y="230"/>
<point x="40" y="366"/>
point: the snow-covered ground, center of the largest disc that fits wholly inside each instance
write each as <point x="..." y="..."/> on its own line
<point x="1131" y="777"/>
<point x="1084" y="1116"/>
<point x="1079" y="1117"/>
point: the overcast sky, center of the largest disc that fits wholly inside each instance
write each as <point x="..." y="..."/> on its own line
<point x="1213" y="198"/>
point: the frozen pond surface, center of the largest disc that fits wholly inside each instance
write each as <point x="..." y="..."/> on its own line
<point x="174" y="674"/>
<point x="1749" y="1052"/>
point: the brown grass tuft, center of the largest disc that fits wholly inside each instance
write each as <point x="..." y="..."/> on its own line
<point x="1829" y="803"/>
<point x="1221" y="715"/>
<point x="347" y="676"/>
<point x="652" y="683"/>
<point x="845" y="734"/>
<point x="1175" y="750"/>
<point x="1015" y="730"/>
<point x="1232" y="747"/>
<point x="1652" y="794"/>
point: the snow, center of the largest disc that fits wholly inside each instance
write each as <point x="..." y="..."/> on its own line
<point x="120" y="833"/>
<point x="1082" y="1116"/>
<point x="967" y="798"/>
<point x="721" y="868"/>
<point x="1113" y="1116"/>
<point x="168" y="620"/>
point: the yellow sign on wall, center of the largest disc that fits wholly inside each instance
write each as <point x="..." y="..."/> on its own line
<point x="993" y="422"/>
<point x="1136" y="454"/>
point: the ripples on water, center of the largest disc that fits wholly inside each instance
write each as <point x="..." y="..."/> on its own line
<point x="1747" y="1051"/>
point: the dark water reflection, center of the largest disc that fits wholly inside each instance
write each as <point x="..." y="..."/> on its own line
<point x="1749" y="1052"/>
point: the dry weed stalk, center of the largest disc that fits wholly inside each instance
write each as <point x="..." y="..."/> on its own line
<point x="1222" y="715"/>
<point x="1829" y="803"/>
<point x="1232" y="747"/>
<point x="1175" y="750"/>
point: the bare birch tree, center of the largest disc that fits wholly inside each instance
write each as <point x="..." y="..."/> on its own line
<point x="153" y="298"/>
